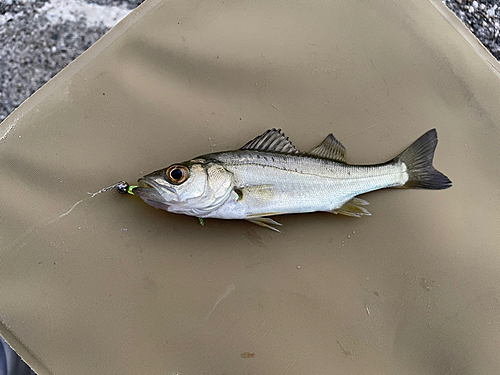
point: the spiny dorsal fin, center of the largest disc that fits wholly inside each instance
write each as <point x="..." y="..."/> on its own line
<point x="272" y="141"/>
<point x="330" y="148"/>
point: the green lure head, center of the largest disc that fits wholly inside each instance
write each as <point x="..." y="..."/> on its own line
<point x="124" y="188"/>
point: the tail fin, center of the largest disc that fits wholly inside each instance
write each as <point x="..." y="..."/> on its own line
<point x="418" y="159"/>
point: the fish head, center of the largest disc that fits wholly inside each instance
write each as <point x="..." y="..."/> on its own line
<point x="195" y="188"/>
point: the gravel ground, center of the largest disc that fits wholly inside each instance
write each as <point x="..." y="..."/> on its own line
<point x="40" y="37"/>
<point x="482" y="18"/>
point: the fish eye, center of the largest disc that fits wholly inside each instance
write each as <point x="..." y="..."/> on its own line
<point x="177" y="173"/>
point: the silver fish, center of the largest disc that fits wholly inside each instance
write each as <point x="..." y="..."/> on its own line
<point x="268" y="176"/>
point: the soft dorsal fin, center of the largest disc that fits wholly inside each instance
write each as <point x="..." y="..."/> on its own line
<point x="330" y="148"/>
<point x="271" y="141"/>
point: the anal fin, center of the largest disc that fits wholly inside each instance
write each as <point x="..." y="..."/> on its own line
<point x="353" y="208"/>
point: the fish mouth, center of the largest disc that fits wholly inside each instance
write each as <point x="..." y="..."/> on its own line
<point x="148" y="191"/>
<point x="143" y="183"/>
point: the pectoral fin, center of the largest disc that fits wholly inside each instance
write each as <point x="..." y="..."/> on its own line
<point x="257" y="193"/>
<point x="354" y="208"/>
<point x="265" y="222"/>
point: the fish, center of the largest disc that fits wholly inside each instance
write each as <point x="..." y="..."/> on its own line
<point x="269" y="176"/>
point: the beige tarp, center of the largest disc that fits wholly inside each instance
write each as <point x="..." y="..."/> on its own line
<point x="93" y="282"/>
